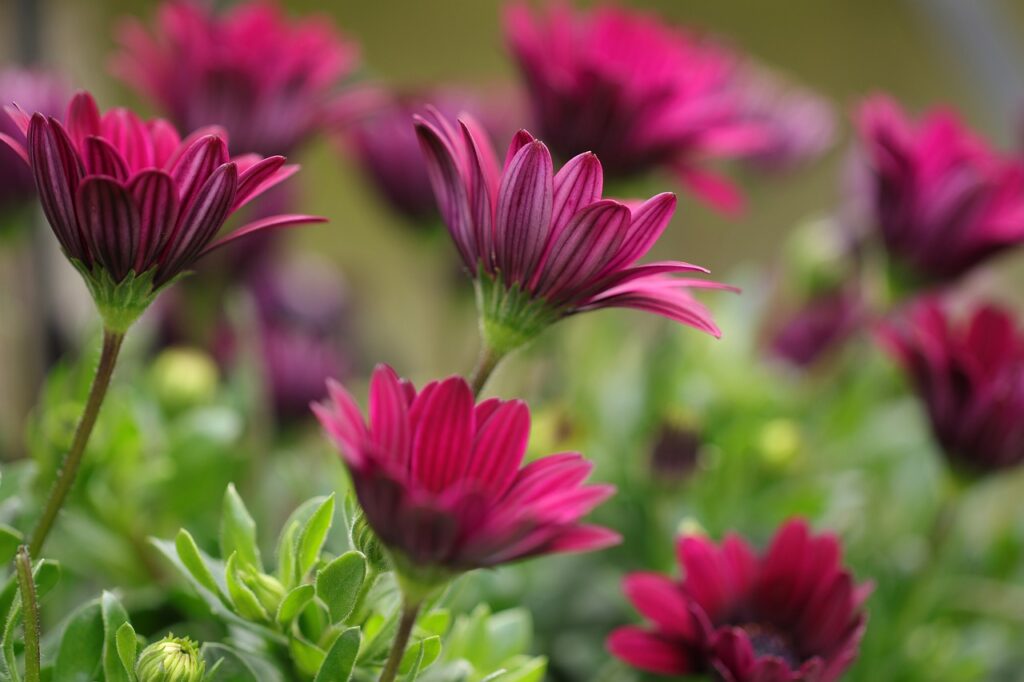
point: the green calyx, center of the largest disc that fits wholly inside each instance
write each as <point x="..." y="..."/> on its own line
<point x="172" y="659"/>
<point x="509" y="316"/>
<point x="120" y="303"/>
<point x="419" y="583"/>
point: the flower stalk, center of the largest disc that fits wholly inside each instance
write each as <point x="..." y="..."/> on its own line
<point x="485" y="366"/>
<point x="73" y="460"/>
<point x="30" y="614"/>
<point x="410" y="609"/>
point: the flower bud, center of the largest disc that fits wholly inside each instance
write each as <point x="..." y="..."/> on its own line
<point x="268" y="590"/>
<point x="364" y="540"/>
<point x="172" y="659"/>
<point x="676" y="451"/>
<point x="183" y="377"/>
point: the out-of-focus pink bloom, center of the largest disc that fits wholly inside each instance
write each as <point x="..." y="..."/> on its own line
<point x="799" y="125"/>
<point x="271" y="82"/>
<point x="387" y="148"/>
<point x="544" y="245"/>
<point x="939" y="199"/>
<point x="127" y="196"/>
<point x="970" y="377"/>
<point x="32" y="91"/>
<point x="792" y="615"/>
<point x="300" y="323"/>
<point x="636" y="92"/>
<point x="820" y="325"/>
<point x="441" y="479"/>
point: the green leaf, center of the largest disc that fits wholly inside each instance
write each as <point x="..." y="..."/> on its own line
<point x="10" y="539"/>
<point x="531" y="671"/>
<point x="193" y="560"/>
<point x="245" y="601"/>
<point x="47" y="575"/>
<point x="436" y="622"/>
<point x="114" y="616"/>
<point x="420" y="655"/>
<point x="307" y="657"/>
<point x="313" y="536"/>
<point x="286" y="554"/>
<point x="127" y="647"/>
<point x="226" y="665"/>
<point x="238" y="530"/>
<point x="341" y="658"/>
<point x="293" y="603"/>
<point x="81" y="646"/>
<point x="339" y="582"/>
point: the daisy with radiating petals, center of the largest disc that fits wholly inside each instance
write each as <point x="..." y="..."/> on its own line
<point x="938" y="198"/>
<point x="970" y="377"/>
<point x="792" y="615"/>
<point x="441" y="480"/>
<point x="543" y="245"/>
<point x="132" y="204"/>
<point x="269" y="81"/>
<point x="441" y="483"/>
<point x="635" y="91"/>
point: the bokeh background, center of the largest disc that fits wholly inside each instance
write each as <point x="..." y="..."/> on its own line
<point x="605" y="382"/>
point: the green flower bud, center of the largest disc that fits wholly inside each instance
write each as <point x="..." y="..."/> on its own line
<point x="364" y="540"/>
<point x="172" y="659"/>
<point x="268" y="590"/>
<point x="184" y="377"/>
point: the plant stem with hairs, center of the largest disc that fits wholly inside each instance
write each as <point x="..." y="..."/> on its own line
<point x="73" y="460"/>
<point x="30" y="614"/>
<point x="409" y="612"/>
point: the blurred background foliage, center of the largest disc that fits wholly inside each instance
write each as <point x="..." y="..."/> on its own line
<point x="764" y="444"/>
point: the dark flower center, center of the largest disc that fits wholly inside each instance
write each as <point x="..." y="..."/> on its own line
<point x="769" y="641"/>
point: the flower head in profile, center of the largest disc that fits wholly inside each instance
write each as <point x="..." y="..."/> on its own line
<point x="543" y="245"/>
<point x="271" y="82"/>
<point x="638" y="93"/>
<point x="442" y="482"/>
<point x="939" y="199"/>
<point x="791" y="615"/>
<point x="34" y="91"/>
<point x="818" y="326"/>
<point x="970" y="376"/>
<point x="132" y="205"/>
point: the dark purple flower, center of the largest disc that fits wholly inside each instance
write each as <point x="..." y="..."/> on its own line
<point x="821" y="324"/>
<point x="132" y="203"/>
<point x="939" y="199"/>
<point x="32" y="91"/>
<point x="970" y="377"/>
<point x="792" y="615"/>
<point x="638" y="93"/>
<point x="269" y="81"/>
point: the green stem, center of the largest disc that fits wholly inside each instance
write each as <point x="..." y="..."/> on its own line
<point x="485" y="364"/>
<point x="30" y="611"/>
<point x="73" y="460"/>
<point x="409" y="612"/>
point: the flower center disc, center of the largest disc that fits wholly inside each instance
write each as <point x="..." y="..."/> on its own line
<point x="769" y="641"/>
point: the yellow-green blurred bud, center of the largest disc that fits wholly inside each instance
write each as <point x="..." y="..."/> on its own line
<point x="817" y="257"/>
<point x="690" y="527"/>
<point x="184" y="377"/>
<point x="172" y="659"/>
<point x="779" y="442"/>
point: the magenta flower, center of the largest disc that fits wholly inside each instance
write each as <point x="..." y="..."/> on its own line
<point x="544" y="245"/>
<point x="33" y="91"/>
<point x="820" y="325"/>
<point x="940" y="201"/>
<point x="387" y="148"/>
<point x="970" y="377"/>
<point x="441" y="480"/>
<point x="133" y="205"/>
<point x="793" y="615"/>
<point x="636" y="92"/>
<point x="269" y="81"/>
